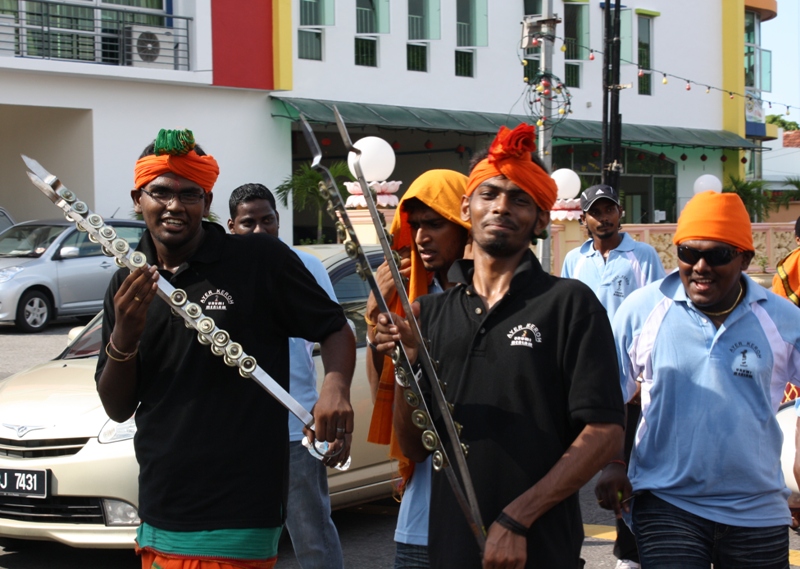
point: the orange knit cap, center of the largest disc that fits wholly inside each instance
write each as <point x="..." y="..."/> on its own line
<point x="174" y="152"/>
<point x="510" y="156"/>
<point x="710" y="216"/>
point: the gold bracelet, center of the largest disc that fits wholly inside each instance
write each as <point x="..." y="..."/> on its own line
<point x="128" y="357"/>
<point x="368" y="321"/>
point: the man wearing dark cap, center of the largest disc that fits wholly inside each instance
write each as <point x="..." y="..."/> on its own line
<point x="613" y="265"/>
<point x="524" y="357"/>
<point x="714" y="351"/>
<point x="610" y="262"/>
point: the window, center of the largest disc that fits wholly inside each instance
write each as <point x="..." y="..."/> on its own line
<point x="309" y="44"/>
<point x="309" y="39"/>
<point x="625" y="37"/>
<point x="465" y="61"/>
<point x="316" y="12"/>
<point x="417" y="57"/>
<point x="372" y="16"/>
<point x="532" y="63"/>
<point x="576" y="39"/>
<point x="645" y="62"/>
<point x="423" y="20"/>
<point x="757" y="61"/>
<point x="533" y="7"/>
<point x="472" y="23"/>
<point x="367" y="51"/>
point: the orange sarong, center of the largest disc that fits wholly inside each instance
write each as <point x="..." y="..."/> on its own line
<point x="155" y="560"/>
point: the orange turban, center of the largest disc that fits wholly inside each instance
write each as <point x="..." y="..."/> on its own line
<point x="440" y="190"/>
<point x="710" y="216"/>
<point x="510" y="156"/>
<point x="174" y="152"/>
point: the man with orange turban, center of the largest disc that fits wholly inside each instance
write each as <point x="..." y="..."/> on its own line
<point x="524" y="358"/>
<point x="430" y="235"/>
<point x="714" y="351"/>
<point x="786" y="282"/>
<point x="211" y="497"/>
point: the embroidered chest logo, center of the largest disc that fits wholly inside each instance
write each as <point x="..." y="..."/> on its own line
<point x="746" y="359"/>
<point x="525" y="335"/>
<point x="216" y="300"/>
<point x="620" y="282"/>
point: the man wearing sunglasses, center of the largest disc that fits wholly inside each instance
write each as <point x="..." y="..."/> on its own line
<point x="715" y="351"/>
<point x="613" y="265"/>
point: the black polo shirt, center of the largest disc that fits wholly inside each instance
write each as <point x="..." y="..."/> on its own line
<point x="525" y="377"/>
<point x="212" y="445"/>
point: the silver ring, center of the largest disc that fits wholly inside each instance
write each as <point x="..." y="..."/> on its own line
<point x="137" y="299"/>
<point x="339" y="429"/>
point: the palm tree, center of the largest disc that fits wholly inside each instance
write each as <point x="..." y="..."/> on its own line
<point x="756" y="200"/>
<point x="303" y="186"/>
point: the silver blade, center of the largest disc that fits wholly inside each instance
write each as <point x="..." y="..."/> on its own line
<point x="35" y="167"/>
<point x="311" y="140"/>
<point x="46" y="189"/>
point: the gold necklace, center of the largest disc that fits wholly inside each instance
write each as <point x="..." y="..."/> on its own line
<point x="724" y="312"/>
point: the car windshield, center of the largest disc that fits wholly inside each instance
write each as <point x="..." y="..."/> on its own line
<point x="87" y="343"/>
<point x="28" y="240"/>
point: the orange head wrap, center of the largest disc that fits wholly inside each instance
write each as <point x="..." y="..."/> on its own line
<point x="440" y="190"/>
<point x="710" y="216"/>
<point x="174" y="152"/>
<point x="510" y="156"/>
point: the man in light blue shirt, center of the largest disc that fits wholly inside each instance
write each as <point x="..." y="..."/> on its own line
<point x="714" y="351"/>
<point x="308" y="508"/>
<point x="610" y="262"/>
<point x="613" y="265"/>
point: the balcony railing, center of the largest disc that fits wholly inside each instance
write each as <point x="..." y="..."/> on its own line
<point x="92" y="34"/>
<point x="416" y="27"/>
<point x="463" y="34"/>
<point x="365" y="21"/>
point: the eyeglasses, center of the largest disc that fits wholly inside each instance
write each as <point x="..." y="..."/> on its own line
<point x="165" y="197"/>
<point x="715" y="257"/>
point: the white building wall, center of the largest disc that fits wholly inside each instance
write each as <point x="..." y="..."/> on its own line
<point x="233" y="125"/>
<point x="688" y="47"/>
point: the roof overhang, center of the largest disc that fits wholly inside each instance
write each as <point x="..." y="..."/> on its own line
<point x="471" y="122"/>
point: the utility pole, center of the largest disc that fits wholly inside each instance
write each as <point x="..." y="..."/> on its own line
<point x="611" y="149"/>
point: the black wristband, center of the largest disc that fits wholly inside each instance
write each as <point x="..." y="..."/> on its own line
<point x="511" y="524"/>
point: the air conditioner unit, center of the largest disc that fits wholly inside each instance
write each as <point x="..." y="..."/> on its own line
<point x="8" y="26"/>
<point x="148" y="46"/>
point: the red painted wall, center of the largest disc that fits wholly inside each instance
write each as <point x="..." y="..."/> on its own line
<point x="241" y="35"/>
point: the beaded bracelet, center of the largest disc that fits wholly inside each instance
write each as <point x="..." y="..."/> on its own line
<point x="127" y="358"/>
<point x="511" y="524"/>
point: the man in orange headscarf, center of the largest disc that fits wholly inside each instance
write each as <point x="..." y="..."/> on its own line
<point x="525" y="358"/>
<point x="711" y="351"/>
<point x="195" y="512"/>
<point x="428" y="231"/>
<point x="786" y="281"/>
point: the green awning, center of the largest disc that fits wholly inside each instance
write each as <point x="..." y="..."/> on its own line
<point x="569" y="130"/>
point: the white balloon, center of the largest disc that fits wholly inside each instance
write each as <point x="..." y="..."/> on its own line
<point x="377" y="159"/>
<point x="707" y="182"/>
<point x="568" y="182"/>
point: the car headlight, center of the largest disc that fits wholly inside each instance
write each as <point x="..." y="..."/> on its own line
<point x="8" y="273"/>
<point x="113" y="432"/>
<point x="120" y="513"/>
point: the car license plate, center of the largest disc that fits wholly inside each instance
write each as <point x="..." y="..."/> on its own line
<point x="24" y="483"/>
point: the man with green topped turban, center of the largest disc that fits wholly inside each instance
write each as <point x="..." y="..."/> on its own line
<point x="212" y="446"/>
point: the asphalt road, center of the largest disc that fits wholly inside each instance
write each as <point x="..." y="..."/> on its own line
<point x="366" y="531"/>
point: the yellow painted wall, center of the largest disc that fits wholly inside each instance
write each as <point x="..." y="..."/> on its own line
<point x="733" y="118"/>
<point x="282" y="43"/>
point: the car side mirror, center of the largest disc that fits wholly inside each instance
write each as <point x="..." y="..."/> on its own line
<point x="68" y="252"/>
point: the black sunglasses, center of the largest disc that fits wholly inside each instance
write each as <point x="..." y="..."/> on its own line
<point x="165" y="197"/>
<point x="715" y="257"/>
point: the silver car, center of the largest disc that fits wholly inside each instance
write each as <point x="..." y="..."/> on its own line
<point x="68" y="473"/>
<point x="50" y="269"/>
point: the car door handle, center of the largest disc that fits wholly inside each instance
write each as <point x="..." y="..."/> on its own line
<point x="105" y="264"/>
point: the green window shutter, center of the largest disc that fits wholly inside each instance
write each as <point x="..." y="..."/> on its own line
<point x="625" y="36"/>
<point x="382" y="16"/>
<point x="480" y="23"/>
<point x="327" y="12"/>
<point x="433" y="16"/>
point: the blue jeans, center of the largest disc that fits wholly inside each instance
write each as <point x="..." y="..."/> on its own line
<point x="308" y="512"/>
<point x="409" y="556"/>
<point x="671" y="538"/>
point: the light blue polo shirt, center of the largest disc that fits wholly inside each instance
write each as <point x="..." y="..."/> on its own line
<point x="303" y="373"/>
<point x="629" y="267"/>
<point x="708" y="441"/>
